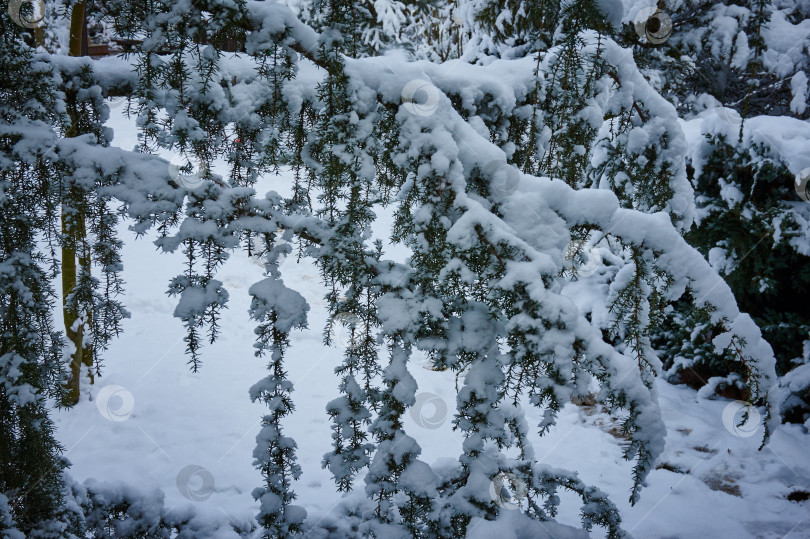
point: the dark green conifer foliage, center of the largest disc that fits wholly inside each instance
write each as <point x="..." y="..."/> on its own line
<point x="769" y="276"/>
<point x="530" y="27"/>
<point x="31" y="467"/>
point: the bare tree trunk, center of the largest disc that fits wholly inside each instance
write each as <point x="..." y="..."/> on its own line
<point x="72" y="230"/>
<point x="84" y="264"/>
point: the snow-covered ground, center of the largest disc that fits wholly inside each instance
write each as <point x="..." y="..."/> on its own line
<point x="151" y="423"/>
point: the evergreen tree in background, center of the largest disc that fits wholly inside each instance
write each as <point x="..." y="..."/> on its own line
<point x="730" y="51"/>
<point x="752" y="229"/>
<point x="368" y="28"/>
<point x="728" y="63"/>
